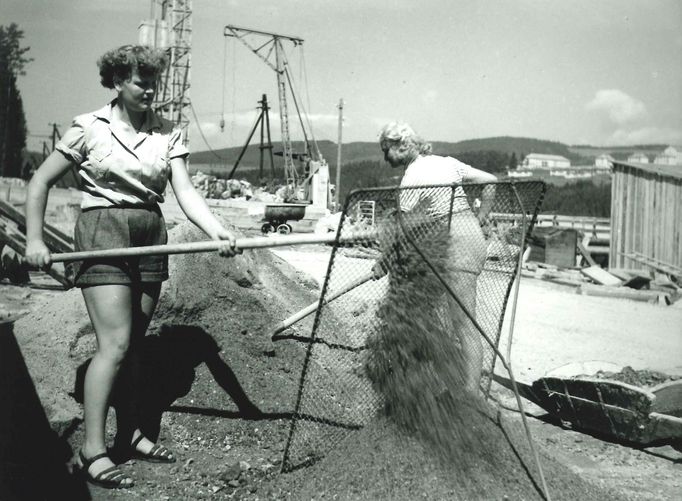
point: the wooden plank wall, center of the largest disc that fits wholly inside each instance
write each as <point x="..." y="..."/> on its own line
<point x="646" y="217"/>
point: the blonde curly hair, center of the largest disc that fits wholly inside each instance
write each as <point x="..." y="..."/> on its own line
<point x="119" y="63"/>
<point x="409" y="144"/>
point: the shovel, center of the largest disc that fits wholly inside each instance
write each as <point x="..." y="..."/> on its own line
<point x="213" y="245"/>
<point x="288" y="322"/>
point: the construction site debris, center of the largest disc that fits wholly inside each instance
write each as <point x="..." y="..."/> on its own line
<point x="611" y="408"/>
<point x="213" y="187"/>
<point x="600" y="276"/>
<point x="328" y="223"/>
<point x="626" y="274"/>
<point x="649" y="296"/>
<point x="554" y="246"/>
<point x="584" y="251"/>
<point x="12" y="235"/>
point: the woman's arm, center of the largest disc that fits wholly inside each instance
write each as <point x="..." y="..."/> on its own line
<point x="196" y="209"/>
<point x="54" y="167"/>
<point x="474" y="175"/>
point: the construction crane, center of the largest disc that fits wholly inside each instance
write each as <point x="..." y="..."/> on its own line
<point x="170" y="28"/>
<point x="270" y="49"/>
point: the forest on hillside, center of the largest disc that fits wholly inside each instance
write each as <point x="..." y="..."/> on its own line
<point x="582" y="198"/>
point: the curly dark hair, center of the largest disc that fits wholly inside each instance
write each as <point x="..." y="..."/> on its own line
<point x="120" y="63"/>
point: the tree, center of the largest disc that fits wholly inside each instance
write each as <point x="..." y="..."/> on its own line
<point x="12" y="119"/>
<point x="513" y="162"/>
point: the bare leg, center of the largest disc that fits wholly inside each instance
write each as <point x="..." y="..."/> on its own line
<point x="109" y="308"/>
<point x="468" y="253"/>
<point x="469" y="337"/>
<point x="144" y="300"/>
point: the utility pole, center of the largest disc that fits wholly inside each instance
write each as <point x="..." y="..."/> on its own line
<point x="337" y="192"/>
<point x="265" y="129"/>
<point x="264" y="122"/>
<point x="55" y="134"/>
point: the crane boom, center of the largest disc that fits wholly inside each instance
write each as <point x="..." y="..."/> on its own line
<point x="274" y="42"/>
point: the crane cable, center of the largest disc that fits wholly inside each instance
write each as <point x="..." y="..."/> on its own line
<point x="304" y="72"/>
<point x="222" y="109"/>
<point x="201" y="132"/>
<point x="304" y="113"/>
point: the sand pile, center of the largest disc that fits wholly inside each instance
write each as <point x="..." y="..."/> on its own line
<point x="432" y="439"/>
<point x="383" y="461"/>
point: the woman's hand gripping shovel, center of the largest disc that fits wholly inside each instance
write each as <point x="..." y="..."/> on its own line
<point x="241" y="244"/>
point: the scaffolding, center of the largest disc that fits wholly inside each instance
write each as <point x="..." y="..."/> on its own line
<point x="171" y="29"/>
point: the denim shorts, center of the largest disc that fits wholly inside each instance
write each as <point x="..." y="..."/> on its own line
<point x="118" y="227"/>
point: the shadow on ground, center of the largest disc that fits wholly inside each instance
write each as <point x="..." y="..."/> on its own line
<point x="33" y="457"/>
<point x="169" y="361"/>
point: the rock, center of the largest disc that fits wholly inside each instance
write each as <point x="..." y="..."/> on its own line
<point x="233" y="483"/>
<point x="231" y="473"/>
<point x="244" y="466"/>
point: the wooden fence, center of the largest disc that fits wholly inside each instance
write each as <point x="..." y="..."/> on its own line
<point x="646" y="214"/>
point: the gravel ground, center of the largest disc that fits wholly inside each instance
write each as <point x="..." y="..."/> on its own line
<point x="222" y="404"/>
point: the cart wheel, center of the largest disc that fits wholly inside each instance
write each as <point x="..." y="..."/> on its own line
<point x="284" y="229"/>
<point x="267" y="228"/>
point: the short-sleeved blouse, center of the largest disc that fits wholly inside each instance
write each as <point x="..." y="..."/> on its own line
<point x="434" y="170"/>
<point x="115" y="171"/>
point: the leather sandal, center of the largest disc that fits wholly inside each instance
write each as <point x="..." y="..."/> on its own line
<point x="109" y="478"/>
<point x="157" y="454"/>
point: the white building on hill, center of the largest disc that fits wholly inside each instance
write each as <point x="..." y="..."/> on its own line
<point x="604" y="161"/>
<point x="639" y="158"/>
<point x="669" y="156"/>
<point x="540" y="161"/>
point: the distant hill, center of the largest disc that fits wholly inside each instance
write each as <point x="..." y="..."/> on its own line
<point x="506" y="144"/>
<point x="352" y="152"/>
<point x="223" y="159"/>
<point x="364" y="166"/>
<point x="369" y="151"/>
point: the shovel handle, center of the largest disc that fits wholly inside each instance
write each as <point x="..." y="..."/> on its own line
<point x="211" y="245"/>
<point x="288" y="322"/>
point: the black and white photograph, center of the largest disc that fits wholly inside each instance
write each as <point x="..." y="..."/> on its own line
<point x="341" y="250"/>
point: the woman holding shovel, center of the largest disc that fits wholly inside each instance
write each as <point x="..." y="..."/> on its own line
<point x="125" y="155"/>
<point x="462" y="250"/>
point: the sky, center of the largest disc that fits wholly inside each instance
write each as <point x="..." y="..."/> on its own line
<point x="599" y="72"/>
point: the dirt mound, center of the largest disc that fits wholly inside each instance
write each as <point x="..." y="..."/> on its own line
<point x="228" y="307"/>
<point x="435" y="440"/>
<point x="204" y="352"/>
<point x="382" y="461"/>
<point x="641" y="378"/>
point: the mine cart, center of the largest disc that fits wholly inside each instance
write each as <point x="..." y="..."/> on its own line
<point x="277" y="216"/>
